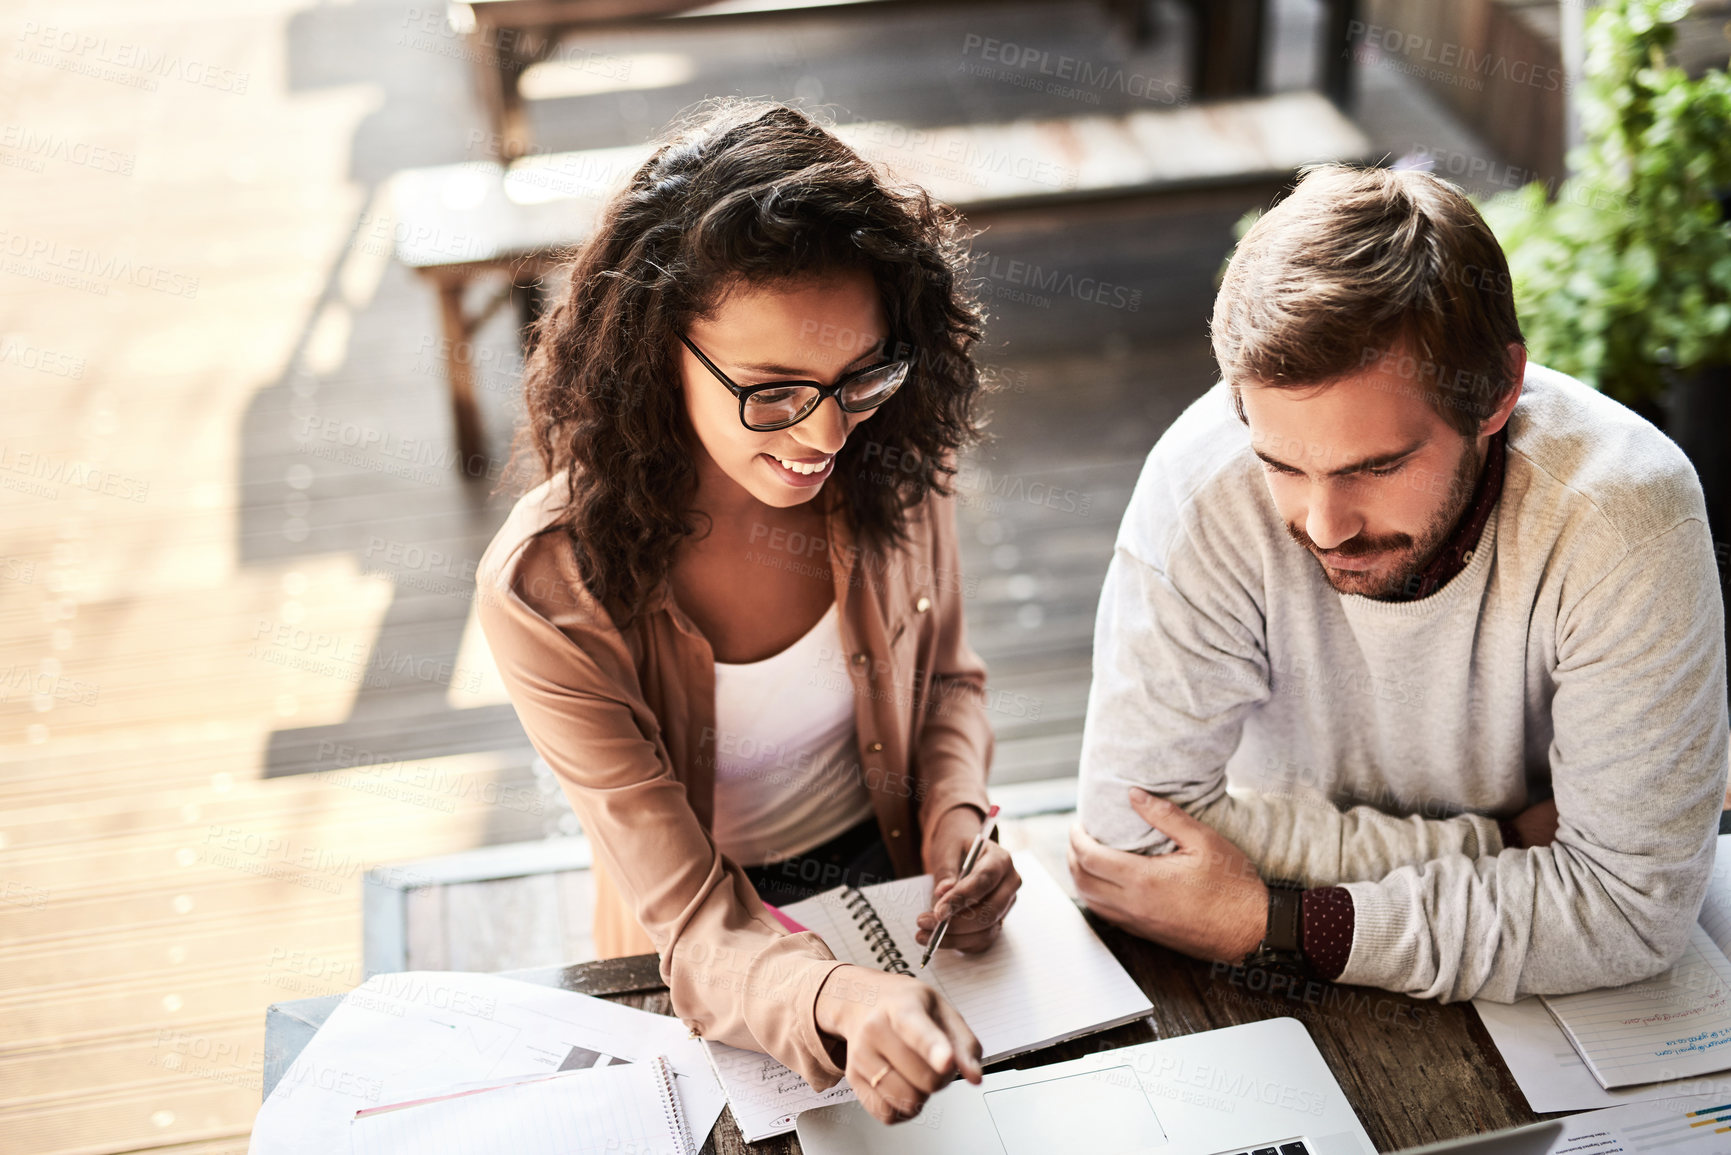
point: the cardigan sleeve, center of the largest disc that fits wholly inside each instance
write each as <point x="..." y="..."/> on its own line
<point x="734" y="974"/>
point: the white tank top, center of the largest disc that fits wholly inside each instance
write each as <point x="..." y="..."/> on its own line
<point x="787" y="767"/>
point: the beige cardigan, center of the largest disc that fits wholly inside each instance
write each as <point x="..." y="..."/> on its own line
<point x="627" y="721"/>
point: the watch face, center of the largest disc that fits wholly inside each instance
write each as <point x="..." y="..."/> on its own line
<point x="1285" y="912"/>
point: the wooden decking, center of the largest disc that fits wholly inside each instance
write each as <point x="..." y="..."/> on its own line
<point x="237" y="660"/>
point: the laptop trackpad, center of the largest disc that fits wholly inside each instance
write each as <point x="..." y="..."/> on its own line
<point x="1103" y="1112"/>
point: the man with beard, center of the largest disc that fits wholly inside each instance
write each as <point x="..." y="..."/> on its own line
<point x="1409" y="666"/>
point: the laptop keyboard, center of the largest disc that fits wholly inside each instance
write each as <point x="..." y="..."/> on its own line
<point x="1296" y="1147"/>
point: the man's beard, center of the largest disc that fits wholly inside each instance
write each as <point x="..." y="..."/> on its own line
<point x="1403" y="556"/>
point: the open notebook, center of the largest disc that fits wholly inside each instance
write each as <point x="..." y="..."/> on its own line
<point x="1673" y="1026"/>
<point x="1048" y="978"/>
<point x="627" y="1107"/>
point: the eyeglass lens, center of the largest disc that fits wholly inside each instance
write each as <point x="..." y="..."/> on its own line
<point x="770" y="408"/>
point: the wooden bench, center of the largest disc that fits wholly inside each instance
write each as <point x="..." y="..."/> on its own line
<point x="508" y="37"/>
<point x="478" y="222"/>
<point x="494" y="908"/>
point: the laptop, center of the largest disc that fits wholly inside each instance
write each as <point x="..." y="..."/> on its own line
<point x="1257" y="1089"/>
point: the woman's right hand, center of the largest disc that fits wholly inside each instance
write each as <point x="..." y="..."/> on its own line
<point x="904" y="1040"/>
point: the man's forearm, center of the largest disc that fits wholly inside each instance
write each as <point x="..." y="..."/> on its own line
<point x="1328" y="919"/>
<point x="1311" y="842"/>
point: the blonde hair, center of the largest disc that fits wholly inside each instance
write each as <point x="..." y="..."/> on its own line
<point x="1362" y="266"/>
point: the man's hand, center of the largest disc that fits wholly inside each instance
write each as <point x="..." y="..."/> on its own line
<point x="1537" y="824"/>
<point x="978" y="903"/>
<point x="904" y="1040"/>
<point x="1204" y="899"/>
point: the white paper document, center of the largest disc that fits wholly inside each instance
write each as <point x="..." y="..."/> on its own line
<point x="419" y="1034"/>
<point x="1686" y="1058"/>
<point x="1671" y="1026"/>
<point x="1551" y="1074"/>
<point x="627" y="1107"/>
<point x="1694" y="1125"/>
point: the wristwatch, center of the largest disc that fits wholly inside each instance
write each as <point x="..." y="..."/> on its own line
<point x="1282" y="943"/>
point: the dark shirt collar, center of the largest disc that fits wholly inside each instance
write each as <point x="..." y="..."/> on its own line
<point x="1457" y="552"/>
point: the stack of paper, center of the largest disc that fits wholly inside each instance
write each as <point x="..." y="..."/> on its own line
<point x="1692" y="1125"/>
<point x="421" y="1036"/>
<point x="1650" y="1040"/>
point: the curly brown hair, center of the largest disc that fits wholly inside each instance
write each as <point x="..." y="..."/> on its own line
<point x="754" y="193"/>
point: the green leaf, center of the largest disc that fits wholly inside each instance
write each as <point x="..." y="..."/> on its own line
<point x="1629" y="267"/>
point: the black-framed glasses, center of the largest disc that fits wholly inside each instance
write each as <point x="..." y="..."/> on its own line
<point x="779" y="404"/>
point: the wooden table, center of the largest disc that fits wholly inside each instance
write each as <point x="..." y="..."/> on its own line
<point x="1415" y="1071"/>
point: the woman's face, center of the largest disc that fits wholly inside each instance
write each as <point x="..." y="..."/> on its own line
<point x="810" y="330"/>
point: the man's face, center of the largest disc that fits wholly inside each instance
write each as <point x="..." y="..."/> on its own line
<point x="1365" y="473"/>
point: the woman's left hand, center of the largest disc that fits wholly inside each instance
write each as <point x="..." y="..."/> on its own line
<point x="975" y="905"/>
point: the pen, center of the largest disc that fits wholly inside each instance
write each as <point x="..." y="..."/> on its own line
<point x="968" y="861"/>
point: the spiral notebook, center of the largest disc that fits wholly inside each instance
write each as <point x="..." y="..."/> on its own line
<point x="592" y="1111"/>
<point x="1048" y="978"/>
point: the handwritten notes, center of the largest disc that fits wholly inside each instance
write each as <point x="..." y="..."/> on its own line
<point x="766" y="1096"/>
<point x="1671" y="1026"/>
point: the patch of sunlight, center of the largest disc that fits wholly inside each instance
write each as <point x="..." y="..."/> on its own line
<point x="578" y="72"/>
<point x="328" y="342"/>
<point x="306" y="645"/>
<point x="475" y="680"/>
<point x="364" y="266"/>
<point x="590" y="175"/>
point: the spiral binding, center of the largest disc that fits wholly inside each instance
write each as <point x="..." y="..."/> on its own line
<point x="670" y="1105"/>
<point x="877" y="935"/>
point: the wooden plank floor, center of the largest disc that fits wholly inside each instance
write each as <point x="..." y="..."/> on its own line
<point x="237" y="660"/>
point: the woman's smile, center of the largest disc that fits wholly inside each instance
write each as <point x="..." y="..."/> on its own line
<point x="800" y="471"/>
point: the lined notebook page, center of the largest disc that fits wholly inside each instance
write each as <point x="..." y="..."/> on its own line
<point x="598" y="1111"/>
<point x="1046" y="979"/>
<point x="1671" y="1026"/>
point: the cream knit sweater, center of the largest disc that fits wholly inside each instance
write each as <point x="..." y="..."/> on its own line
<point x="1338" y="739"/>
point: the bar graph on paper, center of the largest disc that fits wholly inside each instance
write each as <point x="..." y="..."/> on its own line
<point x="1700" y="1129"/>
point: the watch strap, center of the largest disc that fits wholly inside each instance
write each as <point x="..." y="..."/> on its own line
<point x="1283" y="938"/>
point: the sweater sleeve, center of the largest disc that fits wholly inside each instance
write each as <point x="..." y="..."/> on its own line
<point x="1176" y="671"/>
<point x="734" y="974"/>
<point x="1638" y="769"/>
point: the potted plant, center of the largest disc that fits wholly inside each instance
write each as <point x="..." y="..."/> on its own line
<point x="1623" y="278"/>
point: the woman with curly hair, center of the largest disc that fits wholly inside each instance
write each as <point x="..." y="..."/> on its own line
<point x="730" y="616"/>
